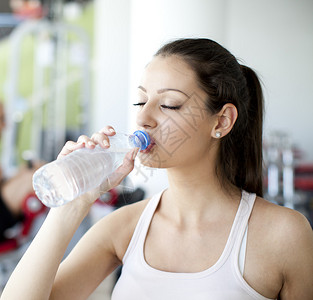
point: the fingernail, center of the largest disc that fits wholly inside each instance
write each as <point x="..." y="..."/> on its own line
<point x="106" y="143"/>
<point x="111" y="130"/>
<point x="90" y="143"/>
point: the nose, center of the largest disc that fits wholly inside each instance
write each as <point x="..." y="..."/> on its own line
<point x="146" y="116"/>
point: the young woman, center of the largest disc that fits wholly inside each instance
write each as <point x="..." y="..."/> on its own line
<point x="210" y="234"/>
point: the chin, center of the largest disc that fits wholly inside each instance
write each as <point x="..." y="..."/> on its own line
<point x="151" y="160"/>
<point x="155" y="161"/>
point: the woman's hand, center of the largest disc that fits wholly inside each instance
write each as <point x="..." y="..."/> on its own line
<point x="101" y="138"/>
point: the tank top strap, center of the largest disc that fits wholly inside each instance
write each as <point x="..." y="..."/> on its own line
<point x="247" y="203"/>
<point x="143" y="224"/>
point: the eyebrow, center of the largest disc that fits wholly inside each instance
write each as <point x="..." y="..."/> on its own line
<point x="164" y="90"/>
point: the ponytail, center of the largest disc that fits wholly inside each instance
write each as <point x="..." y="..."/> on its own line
<point x="240" y="156"/>
<point x="253" y="146"/>
<point x="239" y="160"/>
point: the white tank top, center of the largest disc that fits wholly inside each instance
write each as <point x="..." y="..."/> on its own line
<point x="222" y="281"/>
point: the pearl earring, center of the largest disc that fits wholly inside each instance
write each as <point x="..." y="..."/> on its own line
<point x="218" y="134"/>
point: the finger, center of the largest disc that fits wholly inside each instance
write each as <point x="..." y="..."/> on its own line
<point x="69" y="147"/>
<point x="101" y="139"/>
<point x="87" y="141"/>
<point x="107" y="130"/>
<point x="121" y="172"/>
<point x="128" y="163"/>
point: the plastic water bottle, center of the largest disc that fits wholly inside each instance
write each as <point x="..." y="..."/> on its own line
<point x="63" y="180"/>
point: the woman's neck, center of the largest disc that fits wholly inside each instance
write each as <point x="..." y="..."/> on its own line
<point x="198" y="194"/>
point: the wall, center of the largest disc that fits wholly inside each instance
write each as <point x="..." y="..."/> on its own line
<point x="111" y="64"/>
<point x="276" y="39"/>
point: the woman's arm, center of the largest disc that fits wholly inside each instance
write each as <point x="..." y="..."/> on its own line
<point x="297" y="255"/>
<point x="97" y="254"/>
<point x="35" y="274"/>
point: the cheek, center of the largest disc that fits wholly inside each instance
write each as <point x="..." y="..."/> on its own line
<point x="172" y="142"/>
<point x="171" y="137"/>
<point x="185" y="150"/>
<point x="182" y="135"/>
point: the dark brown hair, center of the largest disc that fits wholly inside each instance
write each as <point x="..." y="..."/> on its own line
<point x="224" y="80"/>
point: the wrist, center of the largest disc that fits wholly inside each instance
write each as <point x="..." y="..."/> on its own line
<point x="73" y="212"/>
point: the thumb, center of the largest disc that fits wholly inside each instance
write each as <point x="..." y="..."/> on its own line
<point x="121" y="172"/>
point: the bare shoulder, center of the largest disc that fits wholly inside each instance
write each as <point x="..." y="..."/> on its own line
<point x="285" y="237"/>
<point x="121" y="224"/>
<point x="286" y="224"/>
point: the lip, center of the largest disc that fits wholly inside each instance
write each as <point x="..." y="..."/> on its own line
<point x="148" y="149"/>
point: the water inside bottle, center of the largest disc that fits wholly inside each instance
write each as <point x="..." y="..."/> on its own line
<point x="64" y="180"/>
<point x="52" y="186"/>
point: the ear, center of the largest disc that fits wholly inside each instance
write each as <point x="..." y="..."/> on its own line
<point x="225" y="120"/>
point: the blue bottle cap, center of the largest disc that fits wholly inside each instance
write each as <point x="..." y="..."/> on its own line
<point x="144" y="138"/>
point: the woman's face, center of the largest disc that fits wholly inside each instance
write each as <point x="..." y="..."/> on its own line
<point x="171" y="108"/>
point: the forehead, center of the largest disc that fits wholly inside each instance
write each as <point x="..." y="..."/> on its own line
<point x="169" y="72"/>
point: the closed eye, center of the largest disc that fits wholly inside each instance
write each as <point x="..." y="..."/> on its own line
<point x="163" y="106"/>
<point x="171" y="107"/>
<point x="139" y="104"/>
